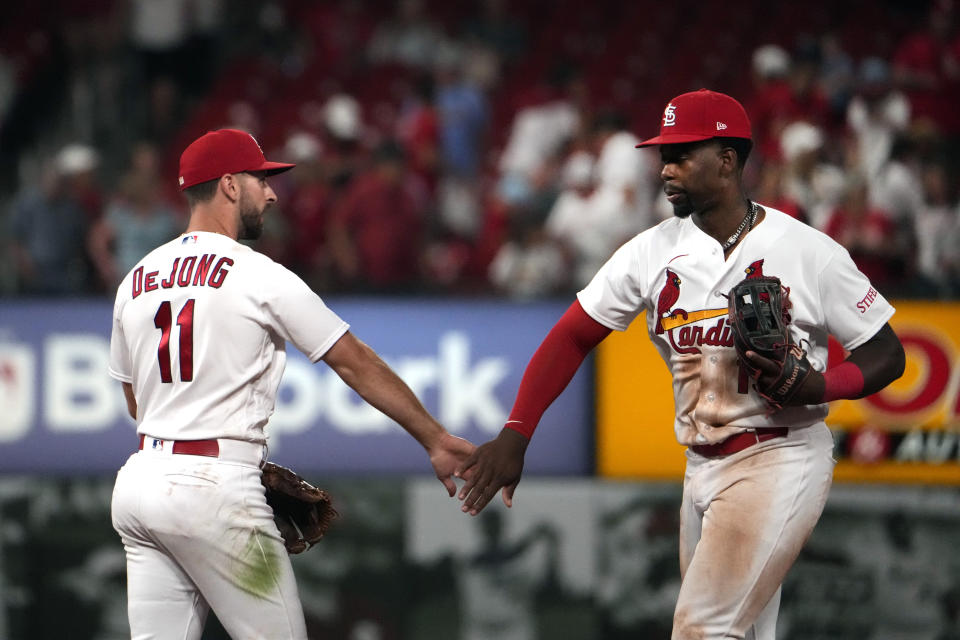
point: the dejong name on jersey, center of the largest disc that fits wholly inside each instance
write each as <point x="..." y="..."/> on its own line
<point x="185" y="272"/>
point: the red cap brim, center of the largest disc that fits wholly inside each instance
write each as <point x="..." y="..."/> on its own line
<point x="675" y="139"/>
<point x="273" y="168"/>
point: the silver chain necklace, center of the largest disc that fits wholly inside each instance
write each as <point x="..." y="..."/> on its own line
<point x="748" y="220"/>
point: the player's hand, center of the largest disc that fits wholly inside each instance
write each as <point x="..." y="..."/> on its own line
<point x="446" y="456"/>
<point x="767" y="372"/>
<point x="493" y="466"/>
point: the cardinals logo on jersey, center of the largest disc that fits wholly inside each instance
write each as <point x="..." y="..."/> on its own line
<point x="755" y="270"/>
<point x="668" y="297"/>
<point x="685" y="330"/>
<point x="679" y="325"/>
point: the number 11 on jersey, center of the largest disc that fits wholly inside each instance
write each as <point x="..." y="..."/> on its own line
<point x="164" y="321"/>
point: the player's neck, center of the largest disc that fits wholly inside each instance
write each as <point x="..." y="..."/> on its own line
<point x="723" y="221"/>
<point x="202" y="219"/>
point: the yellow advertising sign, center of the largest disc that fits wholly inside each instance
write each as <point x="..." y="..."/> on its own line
<point x="909" y="432"/>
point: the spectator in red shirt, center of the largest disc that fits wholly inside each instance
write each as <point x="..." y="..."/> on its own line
<point x="306" y="209"/>
<point x="770" y="190"/>
<point x="926" y="68"/>
<point x="787" y="91"/>
<point x="376" y="230"/>
<point x="869" y="235"/>
<point x="771" y="65"/>
<point x="418" y="129"/>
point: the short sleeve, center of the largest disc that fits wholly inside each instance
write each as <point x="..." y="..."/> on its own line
<point x="854" y="311"/>
<point x="120" y="367"/>
<point x="299" y="316"/>
<point x="614" y="297"/>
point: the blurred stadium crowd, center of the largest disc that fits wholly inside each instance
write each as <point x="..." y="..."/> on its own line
<point x="482" y="147"/>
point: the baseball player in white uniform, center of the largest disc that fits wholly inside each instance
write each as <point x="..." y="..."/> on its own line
<point x="756" y="479"/>
<point x="200" y="327"/>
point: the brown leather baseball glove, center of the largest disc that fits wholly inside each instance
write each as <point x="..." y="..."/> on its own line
<point x="759" y="314"/>
<point x="303" y="512"/>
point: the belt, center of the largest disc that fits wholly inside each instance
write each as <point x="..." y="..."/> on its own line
<point x="738" y="442"/>
<point x="209" y="448"/>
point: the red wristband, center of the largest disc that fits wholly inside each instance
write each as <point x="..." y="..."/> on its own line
<point x="844" y="381"/>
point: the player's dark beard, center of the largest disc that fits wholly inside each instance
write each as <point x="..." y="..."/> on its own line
<point x="689" y="203"/>
<point x="684" y="208"/>
<point x="251" y="219"/>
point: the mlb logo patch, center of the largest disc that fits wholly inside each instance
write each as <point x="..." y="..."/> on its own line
<point x="189" y="240"/>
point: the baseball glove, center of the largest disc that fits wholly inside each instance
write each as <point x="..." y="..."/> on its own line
<point x="303" y="512"/>
<point x="759" y="314"/>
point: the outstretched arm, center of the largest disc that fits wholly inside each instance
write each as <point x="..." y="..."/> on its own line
<point x="364" y="372"/>
<point x="498" y="464"/>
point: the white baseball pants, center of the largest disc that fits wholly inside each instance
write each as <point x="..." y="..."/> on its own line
<point x="744" y="519"/>
<point x="198" y="533"/>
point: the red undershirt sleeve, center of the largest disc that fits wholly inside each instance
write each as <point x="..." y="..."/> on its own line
<point x="553" y="366"/>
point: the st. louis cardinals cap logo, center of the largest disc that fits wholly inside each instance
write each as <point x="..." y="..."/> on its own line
<point x="669" y="115"/>
<point x="701" y="115"/>
<point x="223" y="151"/>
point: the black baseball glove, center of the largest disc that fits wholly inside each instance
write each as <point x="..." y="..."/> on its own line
<point x="759" y="314"/>
<point x="303" y="512"/>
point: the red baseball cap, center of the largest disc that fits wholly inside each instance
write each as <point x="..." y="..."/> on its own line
<point x="223" y="151"/>
<point x="701" y="115"/>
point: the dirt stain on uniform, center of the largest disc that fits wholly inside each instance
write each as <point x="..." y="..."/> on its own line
<point x="686" y="387"/>
<point x="683" y="630"/>
<point x="740" y="564"/>
<point x="259" y="566"/>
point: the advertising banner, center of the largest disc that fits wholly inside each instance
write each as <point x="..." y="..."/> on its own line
<point x="61" y="412"/>
<point x="573" y="559"/>
<point x="909" y="432"/>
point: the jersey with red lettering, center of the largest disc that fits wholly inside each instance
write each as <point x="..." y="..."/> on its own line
<point x="200" y="327"/>
<point x="678" y="274"/>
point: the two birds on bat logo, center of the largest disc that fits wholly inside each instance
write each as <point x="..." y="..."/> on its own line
<point x="689" y="339"/>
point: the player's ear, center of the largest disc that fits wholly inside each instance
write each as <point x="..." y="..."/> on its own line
<point x="729" y="161"/>
<point x="229" y="185"/>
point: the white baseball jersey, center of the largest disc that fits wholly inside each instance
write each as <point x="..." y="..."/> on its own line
<point x="200" y="328"/>
<point x="678" y="274"/>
